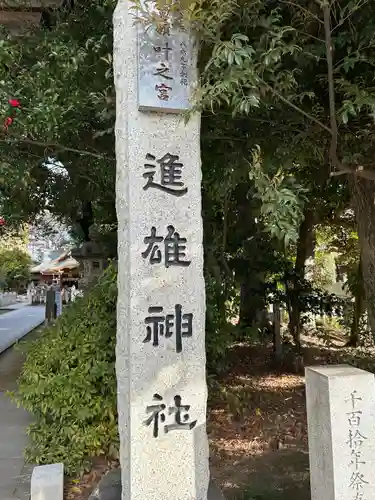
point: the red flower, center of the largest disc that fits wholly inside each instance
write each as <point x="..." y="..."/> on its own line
<point x="15" y="103"/>
<point x="8" y="121"/>
<point x="2" y="221"/>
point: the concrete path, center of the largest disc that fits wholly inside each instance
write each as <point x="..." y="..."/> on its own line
<point x="14" y="474"/>
<point x="17" y="323"/>
<point x="16" y="305"/>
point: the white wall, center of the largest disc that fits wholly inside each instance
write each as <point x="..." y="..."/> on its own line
<point x="8" y="298"/>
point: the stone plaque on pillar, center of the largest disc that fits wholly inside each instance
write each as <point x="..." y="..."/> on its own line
<point x="161" y="298"/>
<point x="164" y="71"/>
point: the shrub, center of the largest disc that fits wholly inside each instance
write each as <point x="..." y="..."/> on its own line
<point x="14" y="266"/>
<point x="68" y="382"/>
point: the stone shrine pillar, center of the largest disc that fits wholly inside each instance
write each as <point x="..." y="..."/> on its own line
<point x="161" y="303"/>
<point x="341" y="427"/>
<point x="51" y="307"/>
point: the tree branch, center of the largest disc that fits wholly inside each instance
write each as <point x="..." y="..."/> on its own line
<point x="311" y="36"/>
<point x="358" y="171"/>
<point x="54" y="146"/>
<point x="296" y="108"/>
<point x="358" y="6"/>
<point x="342" y="169"/>
<point x="331" y="85"/>
<point x="307" y="12"/>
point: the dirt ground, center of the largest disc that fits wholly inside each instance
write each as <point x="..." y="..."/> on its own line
<point x="257" y="426"/>
<point x="262" y="447"/>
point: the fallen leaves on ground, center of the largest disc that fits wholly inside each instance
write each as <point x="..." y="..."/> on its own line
<point x="271" y="418"/>
<point x="80" y="489"/>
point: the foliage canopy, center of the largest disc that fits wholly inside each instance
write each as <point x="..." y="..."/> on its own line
<point x="14" y="267"/>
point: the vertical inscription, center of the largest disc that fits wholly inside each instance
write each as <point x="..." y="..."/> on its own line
<point x="356" y="440"/>
<point x="164" y="84"/>
<point x="184" y="61"/>
<point x="163" y="71"/>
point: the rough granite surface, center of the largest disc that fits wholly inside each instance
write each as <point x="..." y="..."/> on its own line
<point x="174" y="464"/>
<point x="109" y="488"/>
<point x="341" y="429"/>
<point x="47" y="482"/>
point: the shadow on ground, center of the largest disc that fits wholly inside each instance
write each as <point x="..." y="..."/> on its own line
<point x="12" y="361"/>
<point x="282" y="475"/>
<point x="10" y="368"/>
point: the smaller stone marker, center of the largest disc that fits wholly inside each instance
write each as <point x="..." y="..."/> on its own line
<point x="341" y="430"/>
<point x="47" y="482"/>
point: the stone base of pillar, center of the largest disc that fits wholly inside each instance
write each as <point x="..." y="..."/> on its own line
<point x="109" y="488"/>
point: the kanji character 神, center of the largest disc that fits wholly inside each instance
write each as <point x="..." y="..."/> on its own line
<point x="158" y="325"/>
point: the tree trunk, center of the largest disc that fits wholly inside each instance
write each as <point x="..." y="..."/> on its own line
<point x="363" y="197"/>
<point x="277" y="344"/>
<point x="251" y="298"/>
<point x="246" y="310"/>
<point x="303" y="252"/>
<point x="358" y="309"/>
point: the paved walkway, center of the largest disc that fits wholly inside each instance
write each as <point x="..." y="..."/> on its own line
<point x="14" y="474"/>
<point x="16" y="305"/>
<point x="17" y="323"/>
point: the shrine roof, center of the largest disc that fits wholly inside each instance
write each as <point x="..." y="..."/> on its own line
<point x="64" y="261"/>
